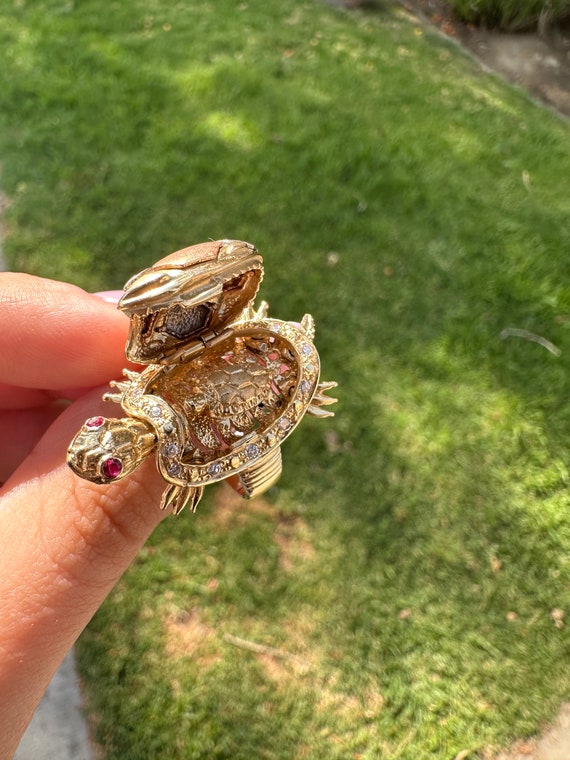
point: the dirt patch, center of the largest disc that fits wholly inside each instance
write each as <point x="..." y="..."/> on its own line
<point x="292" y="533"/>
<point x="296" y="657"/>
<point x="230" y="508"/>
<point x="350" y="706"/>
<point x="292" y="536"/>
<point x="286" y="669"/>
<point x="283" y="670"/>
<point x="188" y="636"/>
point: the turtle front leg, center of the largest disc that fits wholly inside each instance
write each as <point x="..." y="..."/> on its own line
<point x="124" y="386"/>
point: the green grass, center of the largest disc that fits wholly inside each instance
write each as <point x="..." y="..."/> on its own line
<point x="413" y="553"/>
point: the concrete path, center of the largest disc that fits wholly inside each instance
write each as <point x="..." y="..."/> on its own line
<point x="58" y="730"/>
<point x="553" y="745"/>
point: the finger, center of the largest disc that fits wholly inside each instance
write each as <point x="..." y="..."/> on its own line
<point x="12" y="397"/>
<point x="20" y="430"/>
<point x="54" y="335"/>
<point x="66" y="541"/>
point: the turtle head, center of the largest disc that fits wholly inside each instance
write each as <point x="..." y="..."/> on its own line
<point x="106" y="449"/>
<point x="193" y="292"/>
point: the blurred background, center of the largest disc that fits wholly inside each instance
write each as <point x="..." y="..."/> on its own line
<point x="407" y="580"/>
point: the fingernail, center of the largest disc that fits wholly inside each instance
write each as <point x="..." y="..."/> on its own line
<point x="111" y="296"/>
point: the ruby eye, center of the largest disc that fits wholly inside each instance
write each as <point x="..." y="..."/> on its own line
<point x="111" y="468"/>
<point x="94" y="422"/>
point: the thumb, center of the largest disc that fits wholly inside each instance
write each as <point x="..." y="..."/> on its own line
<point x="66" y="542"/>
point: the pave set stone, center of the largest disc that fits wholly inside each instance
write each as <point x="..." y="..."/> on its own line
<point x="170" y="449"/>
<point x="174" y="469"/>
<point x="252" y="451"/>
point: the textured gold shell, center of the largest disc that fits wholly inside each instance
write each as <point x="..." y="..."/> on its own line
<point x="172" y="427"/>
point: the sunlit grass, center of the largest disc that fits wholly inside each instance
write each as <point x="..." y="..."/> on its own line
<point x="411" y="566"/>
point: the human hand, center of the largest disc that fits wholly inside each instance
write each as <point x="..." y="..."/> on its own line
<point x="65" y="541"/>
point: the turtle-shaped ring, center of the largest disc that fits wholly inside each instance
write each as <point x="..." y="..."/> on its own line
<point x="224" y="384"/>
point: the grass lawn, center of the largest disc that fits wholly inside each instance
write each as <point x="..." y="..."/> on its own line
<point x="412" y="565"/>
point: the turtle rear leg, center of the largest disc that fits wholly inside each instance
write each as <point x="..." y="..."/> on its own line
<point x="259" y="477"/>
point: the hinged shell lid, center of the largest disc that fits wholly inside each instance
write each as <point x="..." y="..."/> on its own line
<point x="193" y="293"/>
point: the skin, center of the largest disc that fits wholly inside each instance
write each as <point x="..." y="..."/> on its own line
<point x="65" y="541"/>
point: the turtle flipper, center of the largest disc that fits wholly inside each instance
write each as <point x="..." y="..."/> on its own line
<point x="178" y="497"/>
<point x="259" y="477"/>
<point x="319" y="400"/>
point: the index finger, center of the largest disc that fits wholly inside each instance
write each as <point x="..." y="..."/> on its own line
<point x="54" y="335"/>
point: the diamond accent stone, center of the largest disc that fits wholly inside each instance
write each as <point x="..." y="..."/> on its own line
<point x="214" y="469"/>
<point x="252" y="451"/>
<point x="174" y="469"/>
<point x="170" y="450"/>
<point x="155" y="411"/>
<point x="284" y="423"/>
<point x="305" y="386"/>
<point x="306" y="349"/>
<point x="111" y="468"/>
